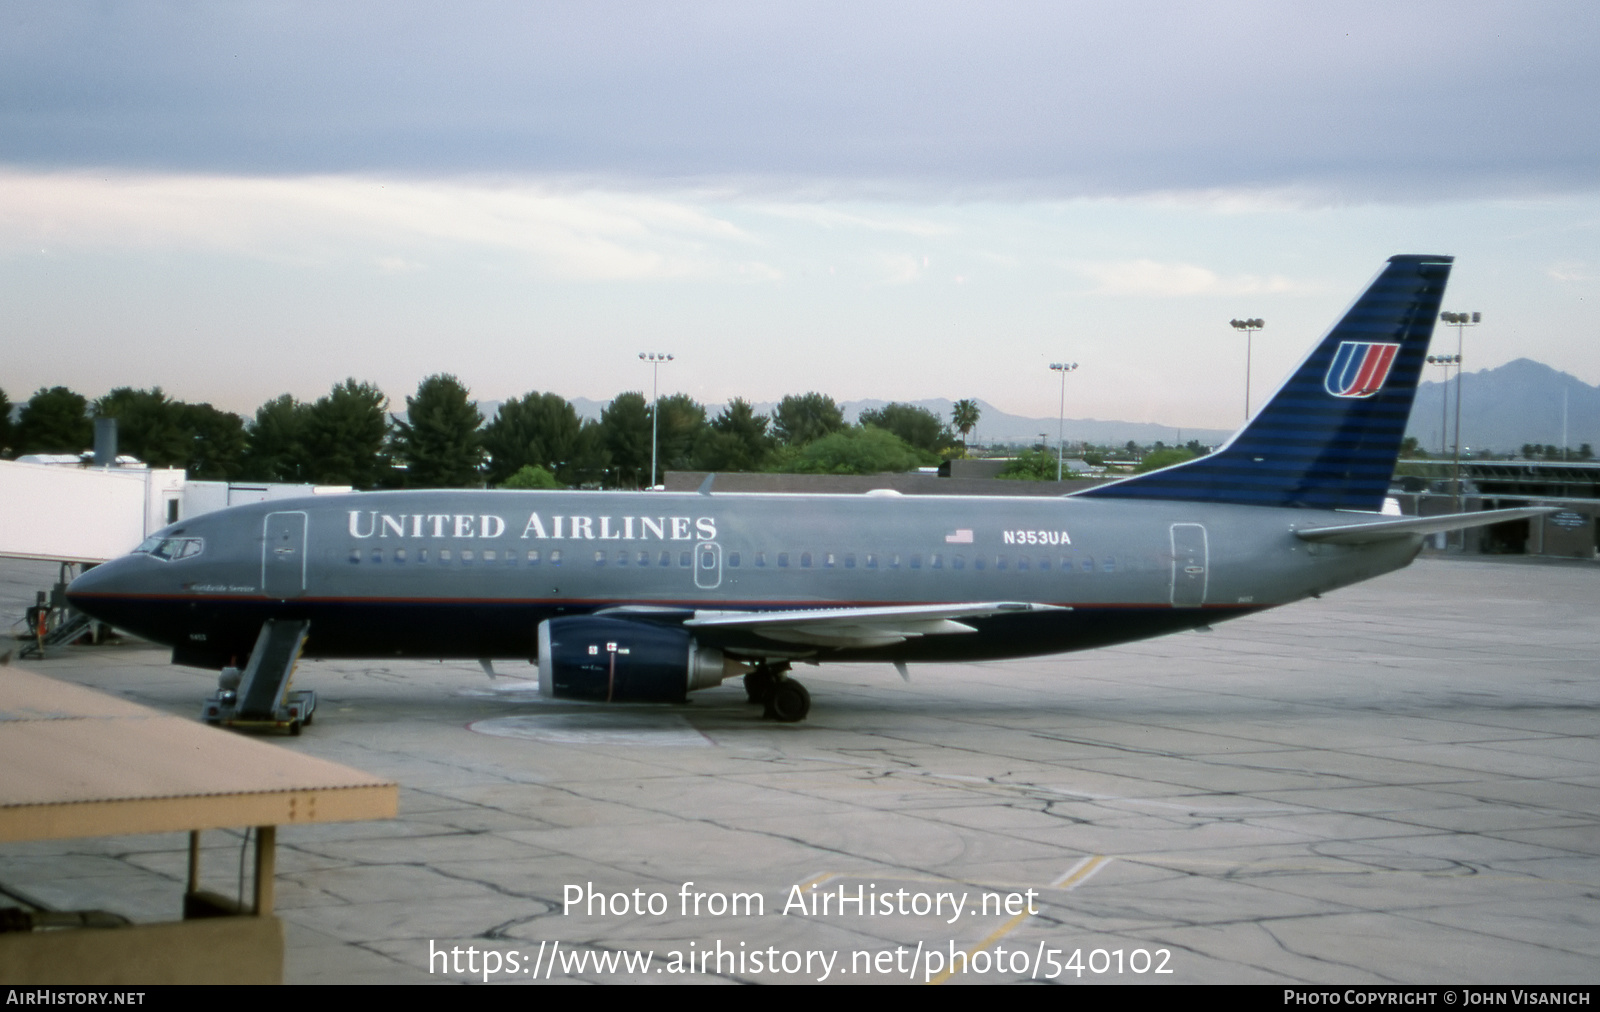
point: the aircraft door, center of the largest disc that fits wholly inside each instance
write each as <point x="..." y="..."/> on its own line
<point x="1190" y="570"/>
<point x="283" y="554"/>
<point x="708" y="565"/>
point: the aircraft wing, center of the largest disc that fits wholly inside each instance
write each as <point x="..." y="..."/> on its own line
<point x="1404" y="527"/>
<point x="859" y="627"/>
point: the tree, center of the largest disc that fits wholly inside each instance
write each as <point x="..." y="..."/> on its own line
<point x="801" y="418"/>
<point x="864" y="450"/>
<point x="149" y="425"/>
<point x="440" y="439"/>
<point x="274" y="442"/>
<point x="541" y="430"/>
<point x="918" y="426"/>
<point x="1033" y="465"/>
<point x="683" y="423"/>
<point x="5" y="424"/>
<point x="344" y="434"/>
<point x="54" y="421"/>
<point x="531" y="476"/>
<point x="217" y="442"/>
<point x="1164" y="457"/>
<point x="964" y="416"/>
<point x="589" y="466"/>
<point x="736" y="441"/>
<point x="625" y="431"/>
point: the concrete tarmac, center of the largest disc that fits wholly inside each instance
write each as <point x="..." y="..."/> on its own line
<point x="1398" y="783"/>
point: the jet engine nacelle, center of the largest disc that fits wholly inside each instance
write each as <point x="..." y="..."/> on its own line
<point x="616" y="660"/>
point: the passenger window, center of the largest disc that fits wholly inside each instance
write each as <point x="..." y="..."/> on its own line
<point x="958" y="562"/>
<point x="444" y="555"/>
<point x="783" y="560"/>
<point x="872" y="561"/>
<point x="1044" y="564"/>
<point x="936" y="561"/>
<point x="1022" y="564"/>
<point x="555" y="557"/>
<point x="644" y="558"/>
<point x="488" y="555"/>
<point x="533" y="556"/>
<point x="733" y="559"/>
<point x="977" y="562"/>
<point x="894" y="562"/>
<point x="622" y="558"/>
<point x="1109" y="565"/>
<point x="466" y="556"/>
<point x="827" y="560"/>
<point x="399" y="555"/>
<point x="665" y="560"/>
<point x="599" y="558"/>
<point x="422" y="555"/>
<point x="999" y="562"/>
<point x="916" y="562"/>
<point x="850" y="561"/>
<point x="761" y="559"/>
<point x="1088" y="564"/>
<point x="355" y="555"/>
<point x="805" y="560"/>
<point x="683" y="560"/>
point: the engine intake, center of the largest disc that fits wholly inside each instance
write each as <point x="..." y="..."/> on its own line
<point x="616" y="660"/>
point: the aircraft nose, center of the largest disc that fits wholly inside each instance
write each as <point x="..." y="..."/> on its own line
<point x="105" y="580"/>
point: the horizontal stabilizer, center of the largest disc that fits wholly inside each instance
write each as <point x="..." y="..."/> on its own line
<point x="1386" y="530"/>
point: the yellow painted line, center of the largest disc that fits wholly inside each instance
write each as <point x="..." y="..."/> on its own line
<point x="817" y="880"/>
<point x="1080" y="873"/>
<point x="1074" y="877"/>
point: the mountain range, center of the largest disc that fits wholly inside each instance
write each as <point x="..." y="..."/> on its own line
<point x="1503" y="408"/>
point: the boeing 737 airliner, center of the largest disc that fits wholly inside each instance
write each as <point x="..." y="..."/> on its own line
<point x="648" y="596"/>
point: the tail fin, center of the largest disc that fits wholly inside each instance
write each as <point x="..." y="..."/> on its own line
<point x="1329" y="438"/>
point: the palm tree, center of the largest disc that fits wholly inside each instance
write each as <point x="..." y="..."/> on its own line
<point x="964" y="416"/>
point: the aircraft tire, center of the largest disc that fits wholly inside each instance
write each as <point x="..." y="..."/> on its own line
<point x="789" y="702"/>
<point x="294" y="728"/>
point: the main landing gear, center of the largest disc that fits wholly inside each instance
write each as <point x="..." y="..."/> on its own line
<point x="785" y="699"/>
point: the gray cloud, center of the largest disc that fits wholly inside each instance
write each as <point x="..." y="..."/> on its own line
<point x="1354" y="101"/>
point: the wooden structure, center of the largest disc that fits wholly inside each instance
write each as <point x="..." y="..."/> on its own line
<point x="77" y="763"/>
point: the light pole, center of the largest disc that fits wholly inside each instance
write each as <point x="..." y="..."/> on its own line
<point x="1249" y="327"/>
<point x="1061" y="420"/>
<point x="1444" y="397"/>
<point x="655" y="358"/>
<point x="1460" y="321"/>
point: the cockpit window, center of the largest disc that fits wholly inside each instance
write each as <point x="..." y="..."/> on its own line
<point x="171" y="549"/>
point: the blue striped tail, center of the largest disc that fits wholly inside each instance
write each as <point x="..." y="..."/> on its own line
<point x="1330" y="436"/>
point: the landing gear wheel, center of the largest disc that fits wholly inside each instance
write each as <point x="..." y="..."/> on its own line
<point x="294" y="728"/>
<point x="789" y="702"/>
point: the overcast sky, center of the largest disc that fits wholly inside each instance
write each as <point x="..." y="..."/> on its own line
<point x="869" y="199"/>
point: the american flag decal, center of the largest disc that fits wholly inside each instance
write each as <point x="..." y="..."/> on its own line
<point x="961" y="537"/>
